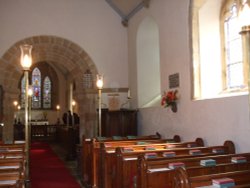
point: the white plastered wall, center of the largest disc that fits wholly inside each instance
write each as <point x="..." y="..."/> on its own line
<point x="214" y="120"/>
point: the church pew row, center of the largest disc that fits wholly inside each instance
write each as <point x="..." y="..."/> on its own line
<point x="108" y="156"/>
<point x="91" y="153"/>
<point x="156" y="144"/>
<point x="183" y="180"/>
<point x="124" y="174"/>
<point x="12" y="148"/>
<point x="12" y="154"/>
<point x="12" y="173"/>
<point x="11" y="180"/>
<point x="12" y="164"/>
<point x="119" y="169"/>
<point x="155" y="173"/>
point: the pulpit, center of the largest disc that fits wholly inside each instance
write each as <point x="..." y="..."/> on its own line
<point x="121" y="122"/>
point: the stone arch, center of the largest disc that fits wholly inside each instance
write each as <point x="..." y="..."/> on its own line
<point x="69" y="57"/>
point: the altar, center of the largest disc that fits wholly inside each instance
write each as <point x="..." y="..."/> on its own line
<point x="39" y="122"/>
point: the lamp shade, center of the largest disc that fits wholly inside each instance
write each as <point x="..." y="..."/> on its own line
<point x="99" y="81"/>
<point x="15" y="103"/>
<point x="30" y="91"/>
<point x="26" y="59"/>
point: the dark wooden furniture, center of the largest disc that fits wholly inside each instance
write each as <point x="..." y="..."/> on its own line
<point x="12" y="162"/>
<point x="154" y="173"/>
<point x="43" y="132"/>
<point x="65" y="136"/>
<point x="182" y="179"/>
<point x="126" y="172"/>
<point x="38" y="132"/>
<point x="119" y="123"/>
<point x="68" y="138"/>
<point x="91" y="151"/>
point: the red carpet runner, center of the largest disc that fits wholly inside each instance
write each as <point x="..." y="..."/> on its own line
<point x="47" y="170"/>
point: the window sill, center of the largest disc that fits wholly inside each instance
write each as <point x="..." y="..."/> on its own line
<point x="225" y="94"/>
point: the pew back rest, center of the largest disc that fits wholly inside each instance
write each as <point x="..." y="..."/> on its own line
<point x="152" y="163"/>
<point x="182" y="179"/>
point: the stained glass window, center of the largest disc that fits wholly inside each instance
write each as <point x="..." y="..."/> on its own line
<point x="42" y="89"/>
<point x="36" y="84"/>
<point x="47" y="93"/>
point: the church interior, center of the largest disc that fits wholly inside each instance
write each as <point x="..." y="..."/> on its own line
<point x="124" y="93"/>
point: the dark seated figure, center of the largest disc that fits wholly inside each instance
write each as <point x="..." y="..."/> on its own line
<point x="76" y="119"/>
<point x="68" y="118"/>
<point x="18" y="131"/>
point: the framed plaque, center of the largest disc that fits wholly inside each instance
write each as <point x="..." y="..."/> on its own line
<point x="174" y="80"/>
<point x="114" y="102"/>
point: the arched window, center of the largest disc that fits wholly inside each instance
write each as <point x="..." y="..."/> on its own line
<point x="44" y="83"/>
<point x="218" y="69"/>
<point x="47" y="93"/>
<point x="233" y="64"/>
<point x="36" y="84"/>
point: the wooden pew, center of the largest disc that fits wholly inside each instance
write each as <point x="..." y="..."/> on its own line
<point x="125" y="172"/>
<point x="155" y="172"/>
<point x="11" y="180"/>
<point x="12" y="147"/>
<point x="12" y="164"/>
<point x="108" y="157"/>
<point x="12" y="154"/>
<point x="112" y="162"/>
<point x="91" y="150"/>
<point x="183" y="180"/>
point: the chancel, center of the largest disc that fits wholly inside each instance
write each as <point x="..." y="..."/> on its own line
<point x="117" y="94"/>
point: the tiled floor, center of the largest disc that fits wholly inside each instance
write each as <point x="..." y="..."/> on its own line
<point x="72" y="165"/>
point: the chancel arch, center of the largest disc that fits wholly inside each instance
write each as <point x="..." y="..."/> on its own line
<point x="68" y="60"/>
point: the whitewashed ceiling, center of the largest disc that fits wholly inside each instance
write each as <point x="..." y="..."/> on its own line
<point x="127" y="8"/>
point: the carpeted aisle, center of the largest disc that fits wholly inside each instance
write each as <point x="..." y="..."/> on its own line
<point x="47" y="170"/>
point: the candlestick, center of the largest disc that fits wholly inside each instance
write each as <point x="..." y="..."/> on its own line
<point x="129" y="97"/>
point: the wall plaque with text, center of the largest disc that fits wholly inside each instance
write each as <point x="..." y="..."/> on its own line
<point x="174" y="80"/>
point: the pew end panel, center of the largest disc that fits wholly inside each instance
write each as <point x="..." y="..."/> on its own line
<point x="181" y="179"/>
<point x="177" y="138"/>
<point x="230" y="145"/>
<point x="199" y="142"/>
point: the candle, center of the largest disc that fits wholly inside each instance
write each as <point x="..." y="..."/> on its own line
<point x="129" y="94"/>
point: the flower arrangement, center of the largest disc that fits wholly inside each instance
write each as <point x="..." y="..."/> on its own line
<point x="169" y="100"/>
